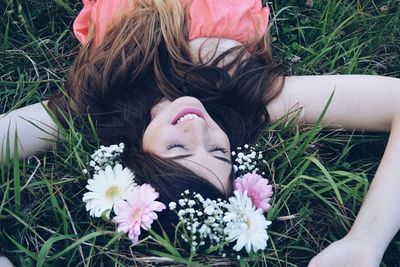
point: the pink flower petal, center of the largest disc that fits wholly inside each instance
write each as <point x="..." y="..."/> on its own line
<point x="257" y="187"/>
<point x="138" y="211"/>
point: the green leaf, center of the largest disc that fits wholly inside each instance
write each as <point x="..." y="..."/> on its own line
<point x="76" y="244"/>
<point x="177" y="259"/>
<point x="45" y="249"/>
<point x="166" y="243"/>
<point x="21" y="247"/>
<point x="329" y="178"/>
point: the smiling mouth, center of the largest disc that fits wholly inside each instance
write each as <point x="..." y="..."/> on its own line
<point x="187" y="114"/>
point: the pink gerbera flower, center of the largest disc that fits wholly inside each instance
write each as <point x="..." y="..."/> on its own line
<point x="138" y="211"/>
<point x="258" y="189"/>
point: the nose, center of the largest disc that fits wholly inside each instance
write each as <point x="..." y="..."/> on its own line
<point x="198" y="131"/>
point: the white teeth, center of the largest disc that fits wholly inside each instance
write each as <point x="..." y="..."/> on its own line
<point x="186" y="117"/>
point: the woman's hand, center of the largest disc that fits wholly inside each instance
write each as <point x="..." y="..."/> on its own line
<point x="349" y="251"/>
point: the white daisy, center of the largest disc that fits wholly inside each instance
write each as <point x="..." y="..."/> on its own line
<point x="107" y="187"/>
<point x="245" y="224"/>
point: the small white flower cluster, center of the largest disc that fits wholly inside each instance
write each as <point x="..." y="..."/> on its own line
<point x="246" y="160"/>
<point x="208" y="223"/>
<point x="202" y="219"/>
<point x="104" y="156"/>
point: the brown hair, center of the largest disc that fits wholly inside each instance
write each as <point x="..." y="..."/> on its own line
<point x="145" y="57"/>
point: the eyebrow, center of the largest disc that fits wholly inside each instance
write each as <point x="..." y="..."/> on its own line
<point x="189" y="155"/>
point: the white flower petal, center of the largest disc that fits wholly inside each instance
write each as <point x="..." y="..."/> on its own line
<point x="245" y="225"/>
<point x="106" y="188"/>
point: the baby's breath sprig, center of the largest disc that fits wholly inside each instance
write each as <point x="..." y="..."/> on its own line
<point x="202" y="220"/>
<point x="105" y="155"/>
<point x="246" y="160"/>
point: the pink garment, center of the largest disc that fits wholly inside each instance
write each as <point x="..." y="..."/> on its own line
<point x="240" y="20"/>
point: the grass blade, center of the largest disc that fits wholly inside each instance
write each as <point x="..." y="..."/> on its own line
<point x="17" y="178"/>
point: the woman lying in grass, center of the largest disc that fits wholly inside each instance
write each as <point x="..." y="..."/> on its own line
<point x="138" y="79"/>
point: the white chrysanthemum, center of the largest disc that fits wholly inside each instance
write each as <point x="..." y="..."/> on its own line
<point x="107" y="187"/>
<point x="245" y="224"/>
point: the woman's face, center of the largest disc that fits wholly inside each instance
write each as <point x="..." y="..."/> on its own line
<point x="183" y="131"/>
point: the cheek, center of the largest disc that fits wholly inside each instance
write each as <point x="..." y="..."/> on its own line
<point x="149" y="138"/>
<point x="226" y="143"/>
<point x="156" y="137"/>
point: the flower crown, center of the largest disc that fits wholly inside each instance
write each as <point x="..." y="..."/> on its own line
<point x="204" y="222"/>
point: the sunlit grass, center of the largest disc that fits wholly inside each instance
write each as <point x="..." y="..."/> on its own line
<point x="320" y="177"/>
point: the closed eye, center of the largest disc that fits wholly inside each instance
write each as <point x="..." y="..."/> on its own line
<point x="211" y="149"/>
<point x="218" y="148"/>
<point x="171" y="146"/>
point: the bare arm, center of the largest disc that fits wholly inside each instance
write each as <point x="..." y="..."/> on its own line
<point x="32" y="139"/>
<point x="360" y="102"/>
<point x="365" y="103"/>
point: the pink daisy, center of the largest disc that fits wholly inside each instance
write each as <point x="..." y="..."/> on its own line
<point x="138" y="211"/>
<point x="257" y="187"/>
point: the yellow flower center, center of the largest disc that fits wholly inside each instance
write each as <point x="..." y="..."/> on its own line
<point x="136" y="214"/>
<point x="112" y="192"/>
<point x="246" y="222"/>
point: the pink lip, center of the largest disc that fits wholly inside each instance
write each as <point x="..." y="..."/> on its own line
<point x="185" y="111"/>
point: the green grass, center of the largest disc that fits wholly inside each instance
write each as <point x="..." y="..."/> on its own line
<point x="322" y="175"/>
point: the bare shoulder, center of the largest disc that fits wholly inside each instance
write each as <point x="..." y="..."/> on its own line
<point x="207" y="49"/>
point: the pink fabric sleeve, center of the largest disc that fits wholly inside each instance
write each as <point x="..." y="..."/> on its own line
<point x="99" y="13"/>
<point x="240" y="20"/>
